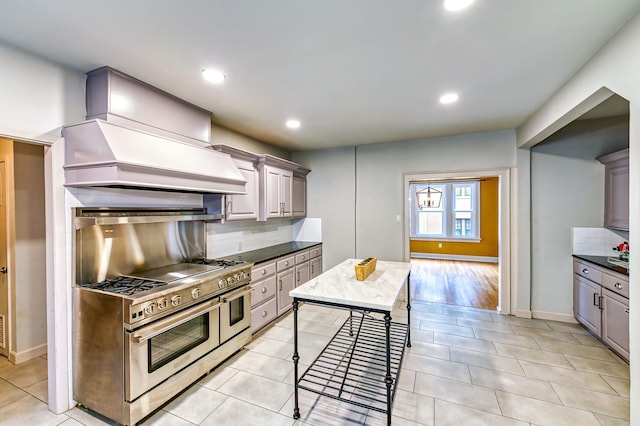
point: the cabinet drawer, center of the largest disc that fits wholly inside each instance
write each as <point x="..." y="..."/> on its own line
<point x="617" y="284"/>
<point x="263" y="314"/>
<point x="590" y="272"/>
<point x="315" y="252"/>
<point x="302" y="256"/>
<point x="262" y="270"/>
<point x="285" y="263"/>
<point x="263" y="290"/>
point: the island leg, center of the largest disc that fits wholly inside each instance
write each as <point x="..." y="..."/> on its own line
<point x="296" y="358"/>
<point x="388" y="380"/>
<point x="409" y="310"/>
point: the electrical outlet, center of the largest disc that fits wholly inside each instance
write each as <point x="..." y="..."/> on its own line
<point x="398" y="218"/>
<point x="439" y="245"/>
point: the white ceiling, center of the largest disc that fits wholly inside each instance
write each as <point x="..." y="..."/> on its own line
<point x="352" y="71"/>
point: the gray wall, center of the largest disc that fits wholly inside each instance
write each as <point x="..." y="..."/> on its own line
<point x="331" y="196"/>
<point x="357" y="192"/>
<point x="567" y="190"/>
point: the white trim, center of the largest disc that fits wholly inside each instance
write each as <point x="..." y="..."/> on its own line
<point x="553" y="316"/>
<point x="487" y="259"/>
<point x="524" y="313"/>
<point x="58" y="289"/>
<point x="35" y="352"/>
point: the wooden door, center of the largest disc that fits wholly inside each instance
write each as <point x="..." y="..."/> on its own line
<point x="4" y="284"/>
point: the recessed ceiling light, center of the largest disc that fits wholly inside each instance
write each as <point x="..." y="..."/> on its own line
<point x="293" y="124"/>
<point x="456" y="5"/>
<point x="449" y="98"/>
<point x="214" y="76"/>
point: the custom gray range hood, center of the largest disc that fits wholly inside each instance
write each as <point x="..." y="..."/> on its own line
<point x="138" y="136"/>
<point x="98" y="153"/>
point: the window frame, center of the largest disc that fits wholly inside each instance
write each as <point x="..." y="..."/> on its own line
<point x="447" y="206"/>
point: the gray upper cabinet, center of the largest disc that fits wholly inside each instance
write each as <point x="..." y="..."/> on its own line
<point x="616" y="190"/>
<point x="276" y="187"/>
<point x="299" y="194"/>
<point x="242" y="206"/>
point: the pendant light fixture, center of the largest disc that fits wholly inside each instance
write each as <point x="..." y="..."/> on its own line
<point x="429" y="197"/>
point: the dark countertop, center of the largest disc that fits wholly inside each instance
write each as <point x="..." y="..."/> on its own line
<point x="269" y="253"/>
<point x="602" y="261"/>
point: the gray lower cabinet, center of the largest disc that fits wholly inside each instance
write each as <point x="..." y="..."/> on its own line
<point x="263" y="295"/>
<point x="272" y="281"/>
<point x="286" y="283"/>
<point x="587" y="304"/>
<point x="615" y="322"/>
<point x="601" y="304"/>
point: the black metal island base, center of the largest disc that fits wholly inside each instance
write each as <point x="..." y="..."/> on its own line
<point x="361" y="363"/>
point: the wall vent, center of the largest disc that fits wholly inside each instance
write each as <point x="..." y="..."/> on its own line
<point x="2" y="334"/>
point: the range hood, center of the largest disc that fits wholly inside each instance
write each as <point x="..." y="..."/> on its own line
<point x="99" y="153"/>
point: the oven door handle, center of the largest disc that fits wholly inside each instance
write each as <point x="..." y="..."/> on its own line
<point x="230" y="297"/>
<point x="174" y="321"/>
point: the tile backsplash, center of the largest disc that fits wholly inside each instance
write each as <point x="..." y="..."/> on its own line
<point x="596" y="241"/>
<point x="226" y="239"/>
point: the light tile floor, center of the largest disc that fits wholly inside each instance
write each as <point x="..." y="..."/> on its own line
<point x="466" y="367"/>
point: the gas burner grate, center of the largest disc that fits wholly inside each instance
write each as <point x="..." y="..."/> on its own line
<point x="125" y="285"/>
<point x="217" y="262"/>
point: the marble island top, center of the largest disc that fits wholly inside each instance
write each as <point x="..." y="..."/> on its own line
<point x="379" y="291"/>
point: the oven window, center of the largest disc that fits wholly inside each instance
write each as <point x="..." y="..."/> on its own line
<point x="169" y="345"/>
<point x="236" y="311"/>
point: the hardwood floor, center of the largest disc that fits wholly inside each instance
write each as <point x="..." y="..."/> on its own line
<point x="473" y="284"/>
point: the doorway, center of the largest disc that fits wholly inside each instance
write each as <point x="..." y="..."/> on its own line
<point x="501" y="261"/>
<point x="23" y="344"/>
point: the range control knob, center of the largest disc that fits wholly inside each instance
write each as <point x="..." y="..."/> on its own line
<point x="222" y="283"/>
<point x="150" y="308"/>
<point x="163" y="303"/>
<point x="175" y="300"/>
<point x="195" y="293"/>
<point x="230" y="280"/>
<point x="247" y="275"/>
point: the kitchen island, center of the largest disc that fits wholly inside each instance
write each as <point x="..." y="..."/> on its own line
<point x="361" y="363"/>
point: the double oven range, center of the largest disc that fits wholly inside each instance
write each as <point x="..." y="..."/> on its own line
<point x="151" y="313"/>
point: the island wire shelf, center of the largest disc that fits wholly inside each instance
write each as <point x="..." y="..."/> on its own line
<point x="352" y="367"/>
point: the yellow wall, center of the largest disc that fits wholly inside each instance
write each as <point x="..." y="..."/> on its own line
<point x="488" y="228"/>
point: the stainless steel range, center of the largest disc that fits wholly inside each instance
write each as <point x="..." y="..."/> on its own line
<point x="151" y="314"/>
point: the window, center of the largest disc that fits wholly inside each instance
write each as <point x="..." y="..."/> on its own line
<point x="457" y="216"/>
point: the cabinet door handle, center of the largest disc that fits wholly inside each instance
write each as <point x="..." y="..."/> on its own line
<point x="585" y="271"/>
<point x="618" y="286"/>
<point x="595" y="299"/>
<point x="298" y="276"/>
<point x="311" y="269"/>
<point x="264" y="271"/>
<point x="264" y="314"/>
<point x="626" y="310"/>
<point x="286" y="263"/>
<point x="600" y="302"/>
<point x="264" y="290"/>
<point x="280" y="285"/>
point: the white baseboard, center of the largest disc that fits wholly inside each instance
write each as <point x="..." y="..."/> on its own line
<point x="523" y="313"/>
<point x="554" y="316"/>
<point x="20" y="357"/>
<point x="487" y="259"/>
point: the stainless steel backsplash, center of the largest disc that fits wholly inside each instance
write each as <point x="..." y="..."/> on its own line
<point x="103" y="251"/>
